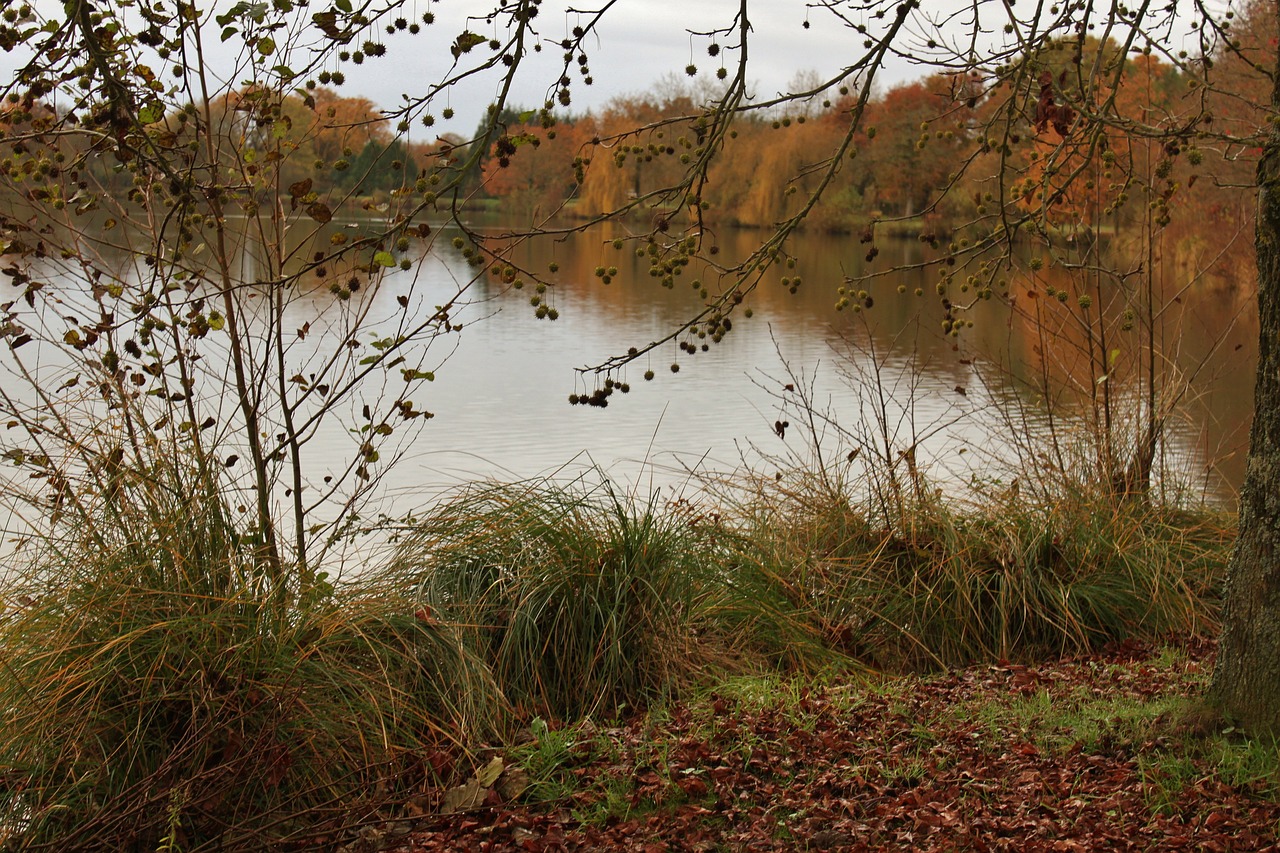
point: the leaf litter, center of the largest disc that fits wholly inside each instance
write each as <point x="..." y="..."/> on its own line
<point x="1097" y="752"/>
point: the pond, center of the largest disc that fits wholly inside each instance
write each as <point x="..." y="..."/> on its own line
<point x="501" y="399"/>
<point x="797" y="384"/>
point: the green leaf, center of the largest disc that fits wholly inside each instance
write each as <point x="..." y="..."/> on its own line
<point x="216" y="321"/>
<point x="384" y="258"/>
<point x="266" y="45"/>
<point x="411" y="374"/>
<point x="527" y="116"/>
<point x="231" y="14"/>
<point x="229" y="32"/>
<point x="343" y="5"/>
<point x="150" y="113"/>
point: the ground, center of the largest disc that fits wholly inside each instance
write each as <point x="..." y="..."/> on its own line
<point x="1105" y="752"/>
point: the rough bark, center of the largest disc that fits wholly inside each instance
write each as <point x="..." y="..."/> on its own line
<point x="1246" y="681"/>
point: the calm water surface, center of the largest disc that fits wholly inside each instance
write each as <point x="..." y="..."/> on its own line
<point x="500" y="397"/>
<point x="501" y="407"/>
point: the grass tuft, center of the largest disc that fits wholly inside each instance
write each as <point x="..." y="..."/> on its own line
<point x="157" y="691"/>
<point x="936" y="584"/>
<point x="581" y="601"/>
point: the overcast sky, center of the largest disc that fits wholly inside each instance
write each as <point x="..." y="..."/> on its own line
<point x="636" y="43"/>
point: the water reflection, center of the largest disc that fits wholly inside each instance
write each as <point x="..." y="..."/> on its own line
<point x="499" y="398"/>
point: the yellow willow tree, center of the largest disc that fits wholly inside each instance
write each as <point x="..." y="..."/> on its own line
<point x="148" y="221"/>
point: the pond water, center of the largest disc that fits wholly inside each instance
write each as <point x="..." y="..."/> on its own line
<point x="883" y="381"/>
<point x="500" y="400"/>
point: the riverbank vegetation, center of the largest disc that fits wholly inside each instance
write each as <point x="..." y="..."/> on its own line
<point x="159" y="692"/>
<point x="191" y="658"/>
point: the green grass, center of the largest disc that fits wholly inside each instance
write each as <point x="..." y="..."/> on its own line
<point x="931" y="583"/>
<point x="547" y="756"/>
<point x="162" y="688"/>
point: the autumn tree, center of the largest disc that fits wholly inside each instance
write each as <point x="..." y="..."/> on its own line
<point x="919" y="133"/>
<point x="538" y="181"/>
<point x="168" y="279"/>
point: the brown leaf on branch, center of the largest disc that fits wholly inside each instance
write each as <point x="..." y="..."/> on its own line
<point x="319" y="211"/>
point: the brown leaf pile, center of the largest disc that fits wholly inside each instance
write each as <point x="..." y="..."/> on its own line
<point x="915" y="766"/>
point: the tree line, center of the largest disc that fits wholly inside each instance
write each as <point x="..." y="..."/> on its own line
<point x="932" y="154"/>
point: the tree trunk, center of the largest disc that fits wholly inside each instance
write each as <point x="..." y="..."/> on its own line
<point x="1246" y="681"/>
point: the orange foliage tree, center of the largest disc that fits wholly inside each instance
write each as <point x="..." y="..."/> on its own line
<point x="531" y="168"/>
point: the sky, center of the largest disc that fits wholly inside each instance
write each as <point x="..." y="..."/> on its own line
<point x="636" y="44"/>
